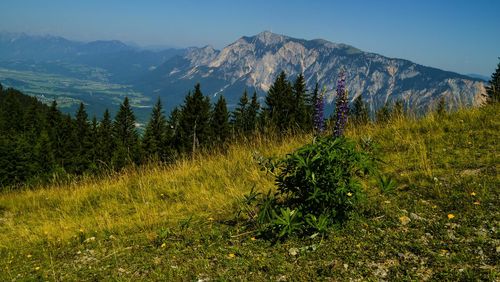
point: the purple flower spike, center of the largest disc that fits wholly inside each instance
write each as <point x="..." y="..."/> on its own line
<point x="341" y="107"/>
<point x="319" y="107"/>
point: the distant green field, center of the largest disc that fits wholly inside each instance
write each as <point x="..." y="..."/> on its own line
<point x="92" y="89"/>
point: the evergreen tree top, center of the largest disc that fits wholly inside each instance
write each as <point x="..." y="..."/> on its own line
<point x="81" y="115"/>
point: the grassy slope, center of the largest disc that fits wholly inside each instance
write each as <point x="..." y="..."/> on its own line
<point x="176" y="223"/>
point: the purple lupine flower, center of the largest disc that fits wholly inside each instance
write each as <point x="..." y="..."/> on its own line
<point x="319" y="107"/>
<point x="341" y="107"/>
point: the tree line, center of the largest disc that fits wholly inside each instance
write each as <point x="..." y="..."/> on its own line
<point x="38" y="142"/>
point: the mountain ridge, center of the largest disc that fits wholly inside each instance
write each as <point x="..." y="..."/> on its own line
<point x="250" y="62"/>
<point x="254" y="62"/>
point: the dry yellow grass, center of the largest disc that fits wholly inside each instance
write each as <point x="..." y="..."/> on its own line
<point x="139" y="199"/>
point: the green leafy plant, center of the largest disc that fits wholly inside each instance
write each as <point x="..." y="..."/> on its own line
<point x="247" y="204"/>
<point x="318" y="224"/>
<point x="386" y="184"/>
<point x="287" y="222"/>
<point x="323" y="177"/>
<point x="318" y="185"/>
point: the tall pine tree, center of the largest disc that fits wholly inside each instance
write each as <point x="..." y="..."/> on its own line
<point x="194" y="124"/>
<point x="105" y="141"/>
<point x="83" y="142"/>
<point x="240" y="114"/>
<point x="220" y="122"/>
<point x="253" y="113"/>
<point x="493" y="90"/>
<point x="299" y="110"/>
<point x="360" y="111"/>
<point x="155" y="137"/>
<point x="174" y="138"/>
<point x="279" y="103"/>
<point x="126" y="136"/>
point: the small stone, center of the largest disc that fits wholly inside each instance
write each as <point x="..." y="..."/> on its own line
<point x="346" y="266"/>
<point x="415" y="216"/>
<point x="293" y="251"/>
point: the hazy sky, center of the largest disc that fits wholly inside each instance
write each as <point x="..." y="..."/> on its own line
<point x="462" y="36"/>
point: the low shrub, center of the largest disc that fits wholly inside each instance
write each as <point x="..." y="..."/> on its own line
<point x="318" y="185"/>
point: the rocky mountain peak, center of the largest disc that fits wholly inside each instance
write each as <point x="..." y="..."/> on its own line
<point x="201" y="56"/>
<point x="269" y="38"/>
<point x="254" y="62"/>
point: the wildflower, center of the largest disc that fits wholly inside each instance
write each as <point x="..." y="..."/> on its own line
<point x="29" y="256"/>
<point x="341" y="107"/>
<point x="253" y="239"/>
<point x="473" y="194"/>
<point x="404" y="220"/>
<point x="231" y="255"/>
<point x="451" y="216"/>
<point x="477" y="203"/>
<point x="163" y="246"/>
<point x="319" y="107"/>
<point x="37" y="268"/>
<point x="210" y="219"/>
<point x="349" y="194"/>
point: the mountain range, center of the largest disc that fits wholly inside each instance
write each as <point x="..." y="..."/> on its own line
<point x="104" y="71"/>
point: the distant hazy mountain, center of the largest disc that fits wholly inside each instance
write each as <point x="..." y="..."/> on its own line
<point x="123" y="62"/>
<point x="254" y="62"/>
<point x="479" y="76"/>
<point x="97" y="73"/>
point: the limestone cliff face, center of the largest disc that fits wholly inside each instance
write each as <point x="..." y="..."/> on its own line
<point x="254" y="62"/>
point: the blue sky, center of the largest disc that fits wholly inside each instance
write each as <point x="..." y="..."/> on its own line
<point x="456" y="35"/>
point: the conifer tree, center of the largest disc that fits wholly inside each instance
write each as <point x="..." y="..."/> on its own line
<point x="94" y="141"/>
<point x="65" y="144"/>
<point x="155" y="136"/>
<point x="83" y="142"/>
<point x="253" y="113"/>
<point x="240" y="119"/>
<point x="34" y="122"/>
<point x="43" y="154"/>
<point x="299" y="109"/>
<point x="105" y="142"/>
<point x="279" y="103"/>
<point x="126" y="136"/>
<point x="316" y="110"/>
<point x="174" y="138"/>
<point x="220" y="122"/>
<point x="360" y="111"/>
<point x="194" y="124"/>
<point x="493" y="90"/>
